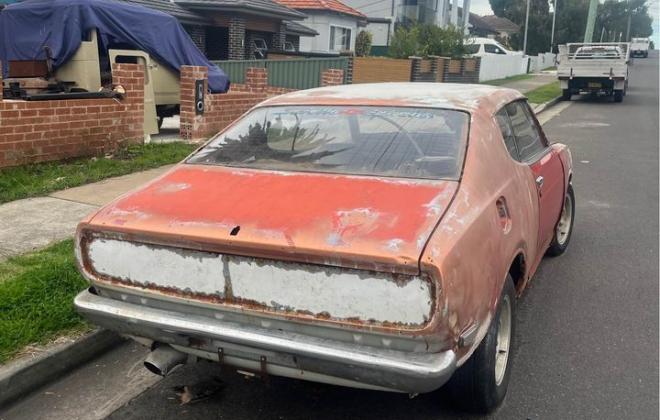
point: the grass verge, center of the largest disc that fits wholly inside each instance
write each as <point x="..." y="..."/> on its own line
<point x="544" y="93"/>
<point x="500" y="82"/>
<point x="43" y="178"/>
<point x="36" y="298"/>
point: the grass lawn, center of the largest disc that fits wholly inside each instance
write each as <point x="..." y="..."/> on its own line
<point x="544" y="93"/>
<point x="499" y="82"/>
<point x="43" y="178"/>
<point x="36" y="298"/>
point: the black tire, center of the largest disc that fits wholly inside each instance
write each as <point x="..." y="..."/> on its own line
<point x="618" y="96"/>
<point x="474" y="387"/>
<point x="159" y="121"/>
<point x="560" y="242"/>
<point x="566" y="95"/>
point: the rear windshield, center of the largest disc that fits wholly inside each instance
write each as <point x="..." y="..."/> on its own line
<point x="357" y="140"/>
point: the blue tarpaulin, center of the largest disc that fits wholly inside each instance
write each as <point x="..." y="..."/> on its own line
<point x="26" y="27"/>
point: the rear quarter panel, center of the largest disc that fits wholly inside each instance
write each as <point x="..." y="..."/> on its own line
<point x="470" y="252"/>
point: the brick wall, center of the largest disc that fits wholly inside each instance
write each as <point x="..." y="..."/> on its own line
<point x="332" y="77"/>
<point x="236" y="38"/>
<point x="198" y="35"/>
<point x="222" y="109"/>
<point x="36" y="131"/>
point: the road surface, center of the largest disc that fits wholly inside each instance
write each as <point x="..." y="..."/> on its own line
<point x="587" y="337"/>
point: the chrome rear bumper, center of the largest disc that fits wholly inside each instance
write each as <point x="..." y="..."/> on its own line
<point x="393" y="370"/>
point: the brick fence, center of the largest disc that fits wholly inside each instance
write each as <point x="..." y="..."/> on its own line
<point x="222" y="109"/>
<point x="36" y="131"/>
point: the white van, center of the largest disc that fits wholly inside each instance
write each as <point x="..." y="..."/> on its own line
<point x="479" y="47"/>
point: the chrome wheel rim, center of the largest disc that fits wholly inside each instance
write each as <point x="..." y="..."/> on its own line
<point x="503" y="340"/>
<point x="564" y="225"/>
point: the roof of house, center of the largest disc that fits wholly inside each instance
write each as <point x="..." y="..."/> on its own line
<point x="179" y="12"/>
<point x="478" y="22"/>
<point x="261" y="7"/>
<point x="501" y="24"/>
<point x="327" y="5"/>
<point x="295" y="28"/>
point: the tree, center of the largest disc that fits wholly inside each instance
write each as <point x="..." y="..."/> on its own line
<point x="613" y="17"/>
<point x="540" y="21"/>
<point x="363" y="44"/>
<point x="427" y="39"/>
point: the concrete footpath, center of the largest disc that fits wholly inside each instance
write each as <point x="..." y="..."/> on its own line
<point x="537" y="80"/>
<point x="33" y="223"/>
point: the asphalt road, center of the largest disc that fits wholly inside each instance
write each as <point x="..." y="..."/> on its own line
<point x="587" y="337"/>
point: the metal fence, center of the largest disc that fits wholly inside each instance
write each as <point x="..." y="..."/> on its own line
<point x="302" y="73"/>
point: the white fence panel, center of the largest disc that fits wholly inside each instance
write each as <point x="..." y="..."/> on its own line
<point x="501" y="66"/>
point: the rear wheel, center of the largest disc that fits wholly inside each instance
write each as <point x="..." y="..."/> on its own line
<point x="566" y="94"/>
<point x="564" y="226"/>
<point x="480" y="384"/>
<point x="618" y="96"/>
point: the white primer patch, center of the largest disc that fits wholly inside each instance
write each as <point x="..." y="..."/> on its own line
<point x="342" y="293"/>
<point x="200" y="272"/>
<point x="339" y="292"/>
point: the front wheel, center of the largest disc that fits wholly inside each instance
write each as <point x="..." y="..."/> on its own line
<point x="564" y="226"/>
<point x="618" y="96"/>
<point x="566" y="94"/>
<point x="480" y="384"/>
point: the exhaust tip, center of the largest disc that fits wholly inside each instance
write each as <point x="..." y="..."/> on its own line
<point x="164" y="359"/>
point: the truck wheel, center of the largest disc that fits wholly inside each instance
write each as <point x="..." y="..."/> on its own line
<point x="480" y="384"/>
<point x="566" y="95"/>
<point x="564" y="227"/>
<point x="618" y="96"/>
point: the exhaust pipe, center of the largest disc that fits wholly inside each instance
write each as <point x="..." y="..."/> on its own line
<point x="163" y="359"/>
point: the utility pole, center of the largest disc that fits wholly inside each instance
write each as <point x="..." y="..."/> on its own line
<point x="554" y="18"/>
<point x="629" y="18"/>
<point x="591" y="20"/>
<point x="527" y="27"/>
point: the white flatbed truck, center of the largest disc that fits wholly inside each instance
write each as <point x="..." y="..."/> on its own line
<point x="596" y="68"/>
<point x="639" y="47"/>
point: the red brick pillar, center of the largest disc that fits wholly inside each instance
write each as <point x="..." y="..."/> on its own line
<point x="332" y="77"/>
<point x="131" y="78"/>
<point x="256" y="79"/>
<point x="190" y="122"/>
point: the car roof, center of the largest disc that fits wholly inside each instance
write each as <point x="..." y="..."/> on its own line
<point x="458" y="96"/>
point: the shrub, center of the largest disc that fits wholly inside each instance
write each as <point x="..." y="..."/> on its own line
<point x="363" y="44"/>
<point x="425" y="40"/>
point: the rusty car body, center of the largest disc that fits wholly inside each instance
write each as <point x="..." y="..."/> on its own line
<point x="371" y="280"/>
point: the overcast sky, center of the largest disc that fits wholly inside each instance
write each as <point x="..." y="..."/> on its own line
<point x="482" y="7"/>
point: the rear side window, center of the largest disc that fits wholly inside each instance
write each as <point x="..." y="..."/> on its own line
<point x="507" y="133"/>
<point x="528" y="138"/>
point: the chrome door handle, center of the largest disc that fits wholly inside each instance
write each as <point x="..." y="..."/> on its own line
<point x="539" y="183"/>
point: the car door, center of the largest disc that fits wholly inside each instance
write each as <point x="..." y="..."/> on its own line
<point x="545" y="166"/>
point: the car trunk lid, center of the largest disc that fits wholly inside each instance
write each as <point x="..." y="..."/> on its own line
<point x="379" y="224"/>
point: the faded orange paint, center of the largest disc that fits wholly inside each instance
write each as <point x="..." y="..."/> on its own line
<point x="373" y="223"/>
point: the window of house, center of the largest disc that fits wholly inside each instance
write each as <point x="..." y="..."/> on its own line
<point x="528" y="138"/>
<point x="493" y="49"/>
<point x="340" y="38"/>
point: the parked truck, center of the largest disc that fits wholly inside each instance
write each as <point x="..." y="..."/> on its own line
<point x="595" y="68"/>
<point x="639" y="47"/>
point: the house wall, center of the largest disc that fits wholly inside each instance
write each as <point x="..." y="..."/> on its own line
<point x="321" y="22"/>
<point x="380" y="33"/>
<point x="37" y="131"/>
